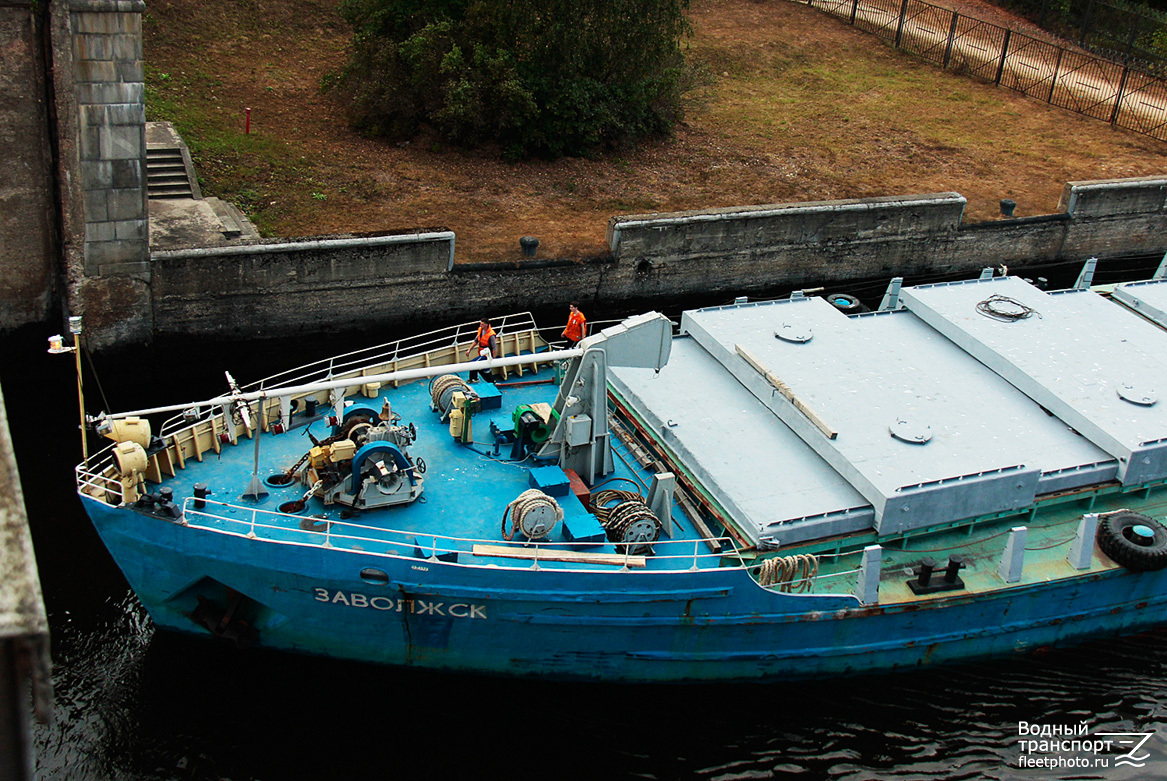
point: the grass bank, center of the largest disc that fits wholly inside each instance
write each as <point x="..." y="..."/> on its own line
<point x="798" y="107"/>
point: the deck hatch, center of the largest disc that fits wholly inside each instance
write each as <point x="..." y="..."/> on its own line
<point x="1148" y="298"/>
<point x="1088" y="361"/>
<point x="971" y="444"/>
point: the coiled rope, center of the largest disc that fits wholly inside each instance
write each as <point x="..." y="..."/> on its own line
<point x="527" y="501"/>
<point x="626" y="518"/>
<point x="790" y="573"/>
<point x="440" y="385"/>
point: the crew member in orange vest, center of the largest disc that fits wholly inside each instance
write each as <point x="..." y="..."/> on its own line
<point x="487" y="347"/>
<point x="577" y="324"/>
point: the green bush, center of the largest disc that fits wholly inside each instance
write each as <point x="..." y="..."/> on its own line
<point x="543" y="77"/>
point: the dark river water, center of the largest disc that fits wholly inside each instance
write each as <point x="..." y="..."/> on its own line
<point x="134" y="703"/>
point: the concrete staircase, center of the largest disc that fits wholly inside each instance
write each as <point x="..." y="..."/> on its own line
<point x="180" y="217"/>
<point x="167" y="175"/>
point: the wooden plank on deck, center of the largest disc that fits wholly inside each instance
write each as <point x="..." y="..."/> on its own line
<point x="543" y="554"/>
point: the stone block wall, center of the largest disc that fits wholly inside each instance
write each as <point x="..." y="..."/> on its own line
<point x="97" y="53"/>
<point x="107" y="48"/>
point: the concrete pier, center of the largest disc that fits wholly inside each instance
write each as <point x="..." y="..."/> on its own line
<point x="25" y="682"/>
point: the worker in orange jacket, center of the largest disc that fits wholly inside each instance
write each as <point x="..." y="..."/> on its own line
<point x="577" y="324"/>
<point x="487" y="346"/>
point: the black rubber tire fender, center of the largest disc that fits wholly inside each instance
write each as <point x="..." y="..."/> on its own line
<point x="1114" y="537"/>
<point x="845" y="303"/>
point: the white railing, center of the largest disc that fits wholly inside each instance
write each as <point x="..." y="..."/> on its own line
<point x="354" y="364"/>
<point x="282" y="528"/>
<point x="388" y="352"/>
<point x="93" y="480"/>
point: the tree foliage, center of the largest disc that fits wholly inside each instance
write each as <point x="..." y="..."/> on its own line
<point x="545" y="77"/>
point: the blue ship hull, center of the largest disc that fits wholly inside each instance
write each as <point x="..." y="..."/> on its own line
<point x="711" y="625"/>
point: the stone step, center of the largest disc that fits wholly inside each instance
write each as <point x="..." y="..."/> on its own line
<point x="167" y="175"/>
<point x="235" y="224"/>
<point x="169" y="191"/>
<point x="178" y="178"/>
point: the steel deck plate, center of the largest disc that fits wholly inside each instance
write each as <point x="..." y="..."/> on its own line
<point x="767" y="479"/>
<point x="1089" y="361"/>
<point x="920" y="428"/>
<point x="1147" y="298"/>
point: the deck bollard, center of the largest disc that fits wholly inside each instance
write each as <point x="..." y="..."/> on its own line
<point x="926" y="567"/>
<point x="1013" y="559"/>
<point x="952" y="571"/>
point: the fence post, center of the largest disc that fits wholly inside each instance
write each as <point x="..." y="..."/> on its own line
<point x="900" y="26"/>
<point x="1054" y="81"/>
<point x="854" y="10"/>
<point x="1004" y="54"/>
<point x="951" y="38"/>
<point x="1126" y="69"/>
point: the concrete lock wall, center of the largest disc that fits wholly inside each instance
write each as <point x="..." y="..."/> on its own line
<point x="296" y="285"/>
<point x="860" y="239"/>
<point x="27" y="207"/>
<point x="97" y="66"/>
<point x="312" y="285"/>
<point x="78" y="223"/>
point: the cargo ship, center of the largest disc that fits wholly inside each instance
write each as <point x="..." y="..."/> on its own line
<point x="768" y="490"/>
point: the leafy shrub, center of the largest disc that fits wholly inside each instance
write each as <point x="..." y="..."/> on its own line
<point x="544" y="77"/>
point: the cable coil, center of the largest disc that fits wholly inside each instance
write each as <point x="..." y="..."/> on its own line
<point x="1005" y="309"/>
<point x="626" y="519"/>
<point x="790" y="573"/>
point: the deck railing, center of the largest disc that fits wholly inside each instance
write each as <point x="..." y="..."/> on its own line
<point x="191" y="434"/>
<point x="95" y="478"/>
<point x="410" y="347"/>
<point x="271" y="526"/>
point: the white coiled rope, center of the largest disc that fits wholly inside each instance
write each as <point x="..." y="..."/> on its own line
<point x="439" y="386"/>
<point x="527" y="502"/>
<point x="790" y="573"/>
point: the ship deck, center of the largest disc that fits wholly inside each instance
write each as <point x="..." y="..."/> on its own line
<point x="466" y="490"/>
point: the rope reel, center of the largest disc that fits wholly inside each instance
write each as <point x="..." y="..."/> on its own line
<point x="790" y="573"/>
<point x="533" y="513"/>
<point x="626" y="519"/>
<point x="442" y="390"/>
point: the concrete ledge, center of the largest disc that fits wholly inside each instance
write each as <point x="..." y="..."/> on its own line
<point x="310" y="245"/>
<point x="1114" y="197"/>
<point x="788" y="222"/>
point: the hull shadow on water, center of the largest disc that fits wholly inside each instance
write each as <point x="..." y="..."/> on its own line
<point x="133" y="703"/>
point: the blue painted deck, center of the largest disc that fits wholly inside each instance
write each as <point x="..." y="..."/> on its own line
<point x="466" y="486"/>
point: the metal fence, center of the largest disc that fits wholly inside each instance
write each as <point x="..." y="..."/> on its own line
<point x="1123" y="95"/>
